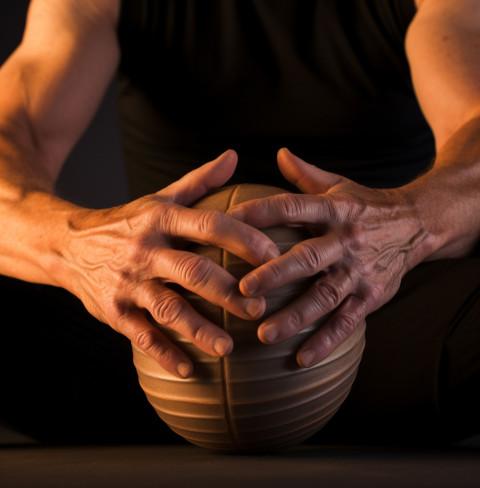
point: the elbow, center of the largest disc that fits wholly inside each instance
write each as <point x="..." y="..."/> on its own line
<point x="452" y="128"/>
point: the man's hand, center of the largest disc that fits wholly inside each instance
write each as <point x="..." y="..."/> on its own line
<point x="121" y="260"/>
<point x="364" y="242"/>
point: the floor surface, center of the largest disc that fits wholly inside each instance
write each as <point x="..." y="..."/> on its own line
<point x="185" y="465"/>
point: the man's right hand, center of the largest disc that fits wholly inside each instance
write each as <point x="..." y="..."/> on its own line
<point x="119" y="262"/>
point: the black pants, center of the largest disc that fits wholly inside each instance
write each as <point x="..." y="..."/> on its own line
<point x="67" y="378"/>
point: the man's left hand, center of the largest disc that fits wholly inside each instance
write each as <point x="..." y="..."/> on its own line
<point x="364" y="241"/>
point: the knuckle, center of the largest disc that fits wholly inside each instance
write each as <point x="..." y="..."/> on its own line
<point x="209" y="222"/>
<point x="345" y="325"/>
<point x="327" y="296"/>
<point x="116" y="312"/>
<point x="254" y="240"/>
<point x="275" y="274"/>
<point x="163" y="216"/>
<point x="134" y="252"/>
<point x="330" y="340"/>
<point x="334" y="207"/>
<point x="195" y="270"/>
<point x="358" y="237"/>
<point x="145" y="339"/>
<point x="167" y="310"/>
<point x="345" y="207"/>
<point x="295" y="321"/>
<point x="376" y="293"/>
<point x="355" y="237"/>
<point x="201" y="335"/>
<point x="291" y="205"/>
<point x="162" y="354"/>
<point x="308" y="257"/>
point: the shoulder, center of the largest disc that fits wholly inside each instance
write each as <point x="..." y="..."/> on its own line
<point x="77" y="12"/>
<point x="466" y="7"/>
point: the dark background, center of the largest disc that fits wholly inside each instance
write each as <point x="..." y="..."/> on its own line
<point x="93" y="175"/>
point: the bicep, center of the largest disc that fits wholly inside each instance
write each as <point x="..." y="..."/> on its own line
<point x="53" y="83"/>
<point x="443" y="48"/>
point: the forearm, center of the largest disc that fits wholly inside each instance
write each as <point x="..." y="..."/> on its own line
<point x="50" y="88"/>
<point x="33" y="221"/>
<point x="446" y="199"/>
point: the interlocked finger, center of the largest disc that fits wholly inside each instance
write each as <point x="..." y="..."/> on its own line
<point x="135" y="326"/>
<point x="173" y="311"/>
<point x="324" y="296"/>
<point x="305" y="259"/>
<point x="338" y="328"/>
<point x="284" y="209"/>
<point x="218" y="229"/>
<point x="207" y="279"/>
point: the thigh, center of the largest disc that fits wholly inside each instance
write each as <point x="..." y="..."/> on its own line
<point x="65" y="376"/>
<point x="419" y="376"/>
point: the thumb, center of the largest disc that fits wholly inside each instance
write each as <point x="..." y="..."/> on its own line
<point x="306" y="177"/>
<point x="200" y="181"/>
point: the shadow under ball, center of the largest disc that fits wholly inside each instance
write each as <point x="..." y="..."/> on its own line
<point x="257" y="398"/>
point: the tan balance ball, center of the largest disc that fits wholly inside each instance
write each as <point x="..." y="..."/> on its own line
<point x="258" y="398"/>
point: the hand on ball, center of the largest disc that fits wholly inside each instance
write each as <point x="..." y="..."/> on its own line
<point x="364" y="241"/>
<point x="120" y="261"/>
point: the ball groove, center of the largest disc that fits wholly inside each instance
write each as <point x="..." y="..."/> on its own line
<point x="257" y="398"/>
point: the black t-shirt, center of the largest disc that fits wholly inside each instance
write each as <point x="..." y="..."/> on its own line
<point x="328" y="79"/>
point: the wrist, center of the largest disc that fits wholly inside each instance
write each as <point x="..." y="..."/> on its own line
<point x="418" y="242"/>
<point x="427" y="241"/>
<point x="447" y="198"/>
<point x="444" y="211"/>
<point x="37" y="224"/>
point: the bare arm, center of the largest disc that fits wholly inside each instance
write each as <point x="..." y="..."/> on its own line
<point x="368" y="239"/>
<point x="117" y="261"/>
<point x="50" y="88"/>
<point x="443" y="46"/>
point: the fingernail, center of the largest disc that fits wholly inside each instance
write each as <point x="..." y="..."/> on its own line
<point x="306" y="358"/>
<point x="221" y="346"/>
<point x="269" y="333"/>
<point x="237" y="214"/>
<point x="184" y="370"/>
<point x="253" y="307"/>
<point x="251" y="284"/>
<point x="272" y="252"/>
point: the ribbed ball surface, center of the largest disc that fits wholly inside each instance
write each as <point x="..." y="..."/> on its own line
<point x="258" y="398"/>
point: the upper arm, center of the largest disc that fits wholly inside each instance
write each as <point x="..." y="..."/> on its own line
<point x="52" y="84"/>
<point x="443" y="48"/>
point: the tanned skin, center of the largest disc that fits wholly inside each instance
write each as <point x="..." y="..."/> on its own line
<point x="375" y="236"/>
<point x="118" y="261"/>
